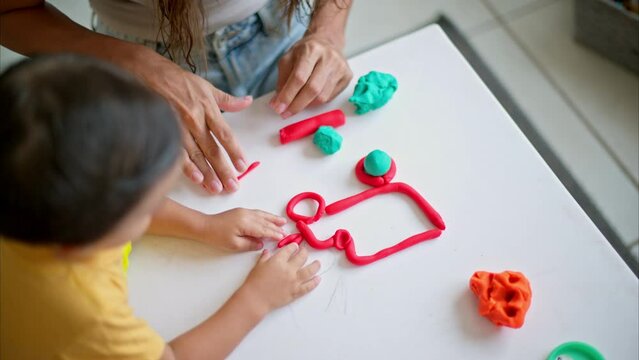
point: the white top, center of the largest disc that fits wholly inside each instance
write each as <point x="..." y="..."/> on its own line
<point x="504" y="210"/>
<point x="139" y="18"/>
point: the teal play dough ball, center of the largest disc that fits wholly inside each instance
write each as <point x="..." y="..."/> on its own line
<point x="327" y="140"/>
<point x="377" y="163"/>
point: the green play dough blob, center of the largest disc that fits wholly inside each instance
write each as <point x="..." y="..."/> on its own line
<point x="328" y="140"/>
<point x="377" y="163"/>
<point x="575" y="350"/>
<point x="373" y="91"/>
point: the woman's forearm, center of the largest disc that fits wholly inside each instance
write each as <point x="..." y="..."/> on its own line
<point x="30" y="28"/>
<point x="329" y="20"/>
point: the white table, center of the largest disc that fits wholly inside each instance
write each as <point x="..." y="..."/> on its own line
<point x="503" y="206"/>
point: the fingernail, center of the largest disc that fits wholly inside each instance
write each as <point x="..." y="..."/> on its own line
<point x="280" y="108"/>
<point x="286" y="115"/>
<point x="241" y="165"/>
<point x="232" y="185"/>
<point x="197" y="177"/>
<point x="259" y="246"/>
<point x="247" y="97"/>
<point x="216" y="186"/>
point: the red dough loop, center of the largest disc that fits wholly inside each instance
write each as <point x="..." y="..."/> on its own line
<point x="342" y="239"/>
<point x="504" y="298"/>
<point x="399" y="187"/>
<point x="374" y="180"/>
<point x="300" y="129"/>
<point x="290" y="207"/>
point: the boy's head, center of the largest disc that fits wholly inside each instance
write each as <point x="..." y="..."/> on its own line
<point x="83" y="145"/>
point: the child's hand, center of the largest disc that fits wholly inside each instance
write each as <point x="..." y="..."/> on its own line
<point x="241" y="229"/>
<point x="278" y="279"/>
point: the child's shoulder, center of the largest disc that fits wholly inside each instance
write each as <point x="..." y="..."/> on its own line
<point x="84" y="287"/>
<point x="66" y="304"/>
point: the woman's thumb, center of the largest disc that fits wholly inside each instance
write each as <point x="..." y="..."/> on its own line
<point x="231" y="103"/>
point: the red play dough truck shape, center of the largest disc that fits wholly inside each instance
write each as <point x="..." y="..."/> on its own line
<point x="342" y="239"/>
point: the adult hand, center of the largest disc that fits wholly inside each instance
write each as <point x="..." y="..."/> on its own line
<point x="313" y="72"/>
<point x="198" y="104"/>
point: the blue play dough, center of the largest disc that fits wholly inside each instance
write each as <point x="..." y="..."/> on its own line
<point x="377" y="163"/>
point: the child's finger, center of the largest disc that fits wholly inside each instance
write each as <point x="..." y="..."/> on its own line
<point x="264" y="229"/>
<point x="251" y="244"/>
<point x="308" y="286"/>
<point x="308" y="271"/>
<point x="300" y="258"/>
<point x="288" y="250"/>
<point x="264" y="256"/>
<point x="277" y="220"/>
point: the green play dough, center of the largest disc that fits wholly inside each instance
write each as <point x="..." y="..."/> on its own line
<point x="328" y="140"/>
<point x="377" y="163"/>
<point x="575" y="350"/>
<point x="373" y="91"/>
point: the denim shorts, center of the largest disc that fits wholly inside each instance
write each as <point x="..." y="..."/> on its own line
<point x="242" y="57"/>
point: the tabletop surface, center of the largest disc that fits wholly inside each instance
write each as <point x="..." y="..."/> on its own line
<point x="504" y="210"/>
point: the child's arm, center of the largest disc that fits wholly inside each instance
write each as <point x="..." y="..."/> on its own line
<point x="275" y="281"/>
<point x="234" y="230"/>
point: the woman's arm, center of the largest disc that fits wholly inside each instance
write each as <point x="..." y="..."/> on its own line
<point x="33" y="27"/>
<point x="314" y="70"/>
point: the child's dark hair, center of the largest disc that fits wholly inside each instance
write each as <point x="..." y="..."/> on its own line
<point x="81" y="144"/>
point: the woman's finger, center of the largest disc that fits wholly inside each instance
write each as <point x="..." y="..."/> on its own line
<point x="313" y="88"/>
<point x="190" y="170"/>
<point x="210" y="180"/>
<point x="214" y="153"/>
<point x="302" y="69"/>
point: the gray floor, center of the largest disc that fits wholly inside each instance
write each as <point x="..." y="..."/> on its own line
<point x="582" y="105"/>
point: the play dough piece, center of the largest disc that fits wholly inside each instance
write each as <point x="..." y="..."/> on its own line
<point x="126" y="250"/>
<point x="504" y="298"/>
<point x="342" y="239"/>
<point x="248" y="170"/>
<point x="300" y="129"/>
<point x="398" y="187"/>
<point x="327" y="140"/>
<point x="377" y="163"/>
<point x="374" y="180"/>
<point x="373" y="91"/>
<point x="575" y="350"/>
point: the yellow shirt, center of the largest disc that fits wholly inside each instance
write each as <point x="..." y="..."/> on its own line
<point x="52" y="308"/>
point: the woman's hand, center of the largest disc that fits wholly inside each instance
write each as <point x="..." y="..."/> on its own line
<point x="198" y="104"/>
<point x="278" y="279"/>
<point x="313" y="72"/>
<point x="240" y="229"/>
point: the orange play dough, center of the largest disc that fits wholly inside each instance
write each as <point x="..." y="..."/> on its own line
<point x="504" y="298"/>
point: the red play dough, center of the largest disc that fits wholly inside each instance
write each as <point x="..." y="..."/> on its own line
<point x="504" y="298"/>
<point x="342" y="239"/>
<point x="248" y="170"/>
<point x="399" y="187"/>
<point x="300" y="129"/>
<point x="374" y="180"/>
